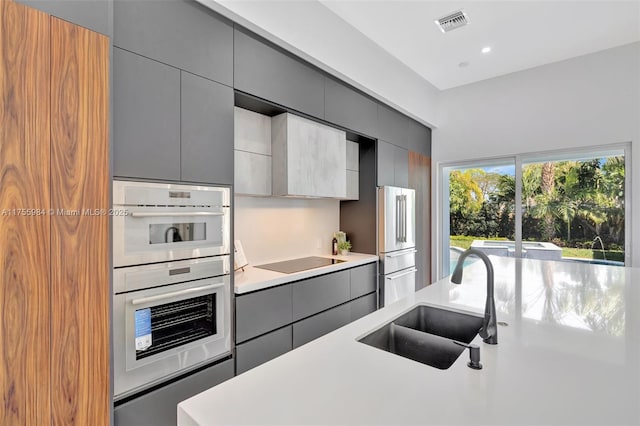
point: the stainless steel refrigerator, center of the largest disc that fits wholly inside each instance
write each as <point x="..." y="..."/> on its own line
<point x="396" y="243"/>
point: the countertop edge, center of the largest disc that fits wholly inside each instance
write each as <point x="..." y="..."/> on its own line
<point x="252" y="279"/>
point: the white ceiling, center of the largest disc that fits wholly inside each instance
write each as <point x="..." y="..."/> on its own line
<point x="521" y="34"/>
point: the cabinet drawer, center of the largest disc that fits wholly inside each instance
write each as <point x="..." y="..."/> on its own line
<point x="263" y="349"/>
<point x="363" y="280"/>
<point x="159" y="408"/>
<point x="320" y="293"/>
<point x="262" y="311"/>
<point x="321" y="324"/>
<point x="363" y="306"/>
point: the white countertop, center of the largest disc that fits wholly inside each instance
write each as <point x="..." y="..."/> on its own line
<point x="252" y="278"/>
<point x="569" y="356"/>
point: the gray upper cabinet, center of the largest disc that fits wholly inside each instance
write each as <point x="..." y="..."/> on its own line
<point x="350" y="109"/>
<point x="392" y="165"/>
<point x="420" y="139"/>
<point x="401" y="167"/>
<point x="94" y="14"/>
<point x="393" y="127"/>
<point x="180" y="33"/>
<point x="206" y="131"/>
<point x="146" y="120"/>
<point x="268" y="73"/>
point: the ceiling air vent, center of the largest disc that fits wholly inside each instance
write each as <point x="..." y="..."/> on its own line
<point x="452" y="21"/>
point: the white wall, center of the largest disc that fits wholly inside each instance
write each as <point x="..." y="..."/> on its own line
<point x="273" y="229"/>
<point x="301" y="28"/>
<point x="584" y="101"/>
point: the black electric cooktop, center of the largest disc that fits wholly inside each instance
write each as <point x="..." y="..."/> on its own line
<point x="297" y="265"/>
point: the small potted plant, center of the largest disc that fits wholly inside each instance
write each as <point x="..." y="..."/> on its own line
<point x="344" y="247"/>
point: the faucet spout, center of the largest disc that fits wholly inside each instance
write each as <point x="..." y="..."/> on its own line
<point x="489" y="330"/>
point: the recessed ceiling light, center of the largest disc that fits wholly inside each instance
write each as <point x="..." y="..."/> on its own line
<point x="463" y="64"/>
<point x="486" y="49"/>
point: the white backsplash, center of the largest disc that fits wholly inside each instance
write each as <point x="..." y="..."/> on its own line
<point x="273" y="229"/>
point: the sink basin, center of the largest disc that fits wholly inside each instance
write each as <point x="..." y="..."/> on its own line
<point x="427" y="334"/>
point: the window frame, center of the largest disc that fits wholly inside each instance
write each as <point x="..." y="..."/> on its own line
<point x="442" y="187"/>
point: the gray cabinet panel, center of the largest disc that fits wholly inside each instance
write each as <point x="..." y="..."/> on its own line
<point x="393" y="126"/>
<point x="180" y="33"/>
<point x="348" y="108"/>
<point x="263" y="349"/>
<point x="321" y="324"/>
<point x="262" y="311"/>
<point x="363" y="306"/>
<point x="159" y="407"/>
<point x="401" y="167"/>
<point x="363" y="280"/>
<point x="206" y="131"/>
<point x="320" y="293"/>
<point x="268" y="73"/>
<point x="420" y="139"/>
<point x="95" y="14"/>
<point x="146" y="121"/>
<point x="385" y="157"/>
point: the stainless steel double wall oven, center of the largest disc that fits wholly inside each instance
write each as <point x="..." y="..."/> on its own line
<point x="171" y="281"/>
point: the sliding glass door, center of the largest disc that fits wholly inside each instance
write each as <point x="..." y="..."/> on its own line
<point x="565" y="205"/>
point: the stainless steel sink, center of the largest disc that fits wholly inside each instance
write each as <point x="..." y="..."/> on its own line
<point x="427" y="334"/>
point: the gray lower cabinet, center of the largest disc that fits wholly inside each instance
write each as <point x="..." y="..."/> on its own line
<point x="159" y="407"/>
<point x="392" y="165"/>
<point x="363" y="306"/>
<point x="348" y="108"/>
<point x="363" y="280"/>
<point x="146" y="121"/>
<point x="206" y="130"/>
<point x="260" y="312"/>
<point x="319" y="293"/>
<point x="268" y="73"/>
<point x="271" y="322"/>
<point x="321" y="324"/>
<point x="262" y="349"/>
<point x="181" y="33"/>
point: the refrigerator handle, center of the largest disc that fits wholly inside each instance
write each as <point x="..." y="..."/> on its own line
<point x="404" y="218"/>
<point x="398" y="218"/>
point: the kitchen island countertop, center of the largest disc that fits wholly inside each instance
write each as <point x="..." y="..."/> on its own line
<point x="570" y="355"/>
<point x="251" y="278"/>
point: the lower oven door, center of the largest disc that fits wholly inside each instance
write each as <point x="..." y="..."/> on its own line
<point x="163" y="331"/>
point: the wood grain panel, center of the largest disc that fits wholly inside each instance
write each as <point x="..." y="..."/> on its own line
<point x="79" y="242"/>
<point x="24" y="246"/>
<point x="420" y="180"/>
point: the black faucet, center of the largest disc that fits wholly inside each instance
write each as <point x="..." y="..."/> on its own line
<point x="489" y="330"/>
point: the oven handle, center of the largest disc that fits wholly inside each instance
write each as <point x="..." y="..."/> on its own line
<point x="165" y="214"/>
<point x="175" y="294"/>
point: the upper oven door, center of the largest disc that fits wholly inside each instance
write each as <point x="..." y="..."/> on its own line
<point x="163" y="222"/>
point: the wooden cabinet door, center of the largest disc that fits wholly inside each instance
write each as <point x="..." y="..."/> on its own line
<point x="80" y="293"/>
<point x="25" y="244"/>
<point x="420" y="180"/>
